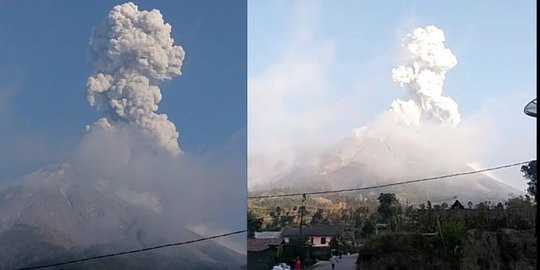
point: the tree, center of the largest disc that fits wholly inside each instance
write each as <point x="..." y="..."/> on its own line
<point x="518" y="203"/>
<point x="345" y="215"/>
<point x="336" y="243"/>
<point x="529" y="172"/>
<point x="276" y="217"/>
<point x="481" y="205"/>
<point x="318" y="217"/>
<point x="298" y="248"/>
<point x="444" y="206"/>
<point x="360" y="215"/>
<point x="301" y="214"/>
<point x="367" y="229"/>
<point x="283" y="219"/>
<point x="254" y="223"/>
<point x="517" y="209"/>
<point x="389" y="207"/>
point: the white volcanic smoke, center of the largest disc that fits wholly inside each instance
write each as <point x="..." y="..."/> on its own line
<point x="132" y="52"/>
<point x="430" y="118"/>
<point x="410" y="140"/>
<point x="423" y="74"/>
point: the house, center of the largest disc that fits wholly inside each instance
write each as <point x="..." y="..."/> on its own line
<point x="263" y="253"/>
<point x="319" y="237"/>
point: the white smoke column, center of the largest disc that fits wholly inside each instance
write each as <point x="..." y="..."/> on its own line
<point x="423" y="74"/>
<point x="132" y="52"/>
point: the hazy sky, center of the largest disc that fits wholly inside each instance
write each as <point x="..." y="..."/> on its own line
<point x="319" y="69"/>
<point x="44" y="65"/>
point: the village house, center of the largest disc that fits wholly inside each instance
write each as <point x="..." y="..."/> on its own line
<point x="319" y="236"/>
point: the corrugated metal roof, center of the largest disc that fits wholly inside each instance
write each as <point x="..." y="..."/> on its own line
<point x="314" y="230"/>
<point x="262" y="244"/>
<point x="267" y="235"/>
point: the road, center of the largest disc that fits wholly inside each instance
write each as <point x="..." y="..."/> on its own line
<point x="345" y="263"/>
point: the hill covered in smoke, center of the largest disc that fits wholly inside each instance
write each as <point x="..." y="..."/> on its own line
<point x="50" y="216"/>
<point x="128" y="185"/>
<point x="420" y="135"/>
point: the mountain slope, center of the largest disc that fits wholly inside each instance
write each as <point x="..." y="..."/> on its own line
<point x="50" y="216"/>
<point x="368" y="158"/>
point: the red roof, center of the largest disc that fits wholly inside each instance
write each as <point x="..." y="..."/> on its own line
<point x="262" y="244"/>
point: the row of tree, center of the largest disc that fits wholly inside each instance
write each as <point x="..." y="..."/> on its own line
<point x="515" y="212"/>
<point x="364" y="216"/>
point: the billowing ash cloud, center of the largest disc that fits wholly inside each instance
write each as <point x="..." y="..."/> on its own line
<point x="133" y="52"/>
<point x="423" y="74"/>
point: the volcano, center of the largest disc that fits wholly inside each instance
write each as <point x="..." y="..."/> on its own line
<point x="367" y="159"/>
<point x="49" y="217"/>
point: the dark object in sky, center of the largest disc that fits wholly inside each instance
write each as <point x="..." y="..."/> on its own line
<point x="530" y="109"/>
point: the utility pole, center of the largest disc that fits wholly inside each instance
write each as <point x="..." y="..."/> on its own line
<point x="302" y="213"/>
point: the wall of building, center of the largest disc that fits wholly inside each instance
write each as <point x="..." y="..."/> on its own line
<point x="318" y="241"/>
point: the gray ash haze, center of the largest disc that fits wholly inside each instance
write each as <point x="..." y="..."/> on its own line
<point x="128" y="184"/>
<point x="422" y="134"/>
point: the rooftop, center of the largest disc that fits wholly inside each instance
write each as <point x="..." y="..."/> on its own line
<point x="262" y="244"/>
<point x="267" y="235"/>
<point x="314" y="230"/>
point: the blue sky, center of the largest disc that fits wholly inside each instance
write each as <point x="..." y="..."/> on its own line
<point x="344" y="51"/>
<point x="45" y="64"/>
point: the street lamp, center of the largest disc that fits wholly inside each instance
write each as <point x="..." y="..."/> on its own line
<point x="530" y="109"/>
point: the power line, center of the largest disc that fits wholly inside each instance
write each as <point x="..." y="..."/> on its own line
<point x="134" y="251"/>
<point x="285" y="210"/>
<point x="389" y="185"/>
<point x="308" y="208"/>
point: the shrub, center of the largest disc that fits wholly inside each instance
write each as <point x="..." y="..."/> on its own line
<point x="452" y="240"/>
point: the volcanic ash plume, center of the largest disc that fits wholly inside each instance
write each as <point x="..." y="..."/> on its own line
<point x="132" y="52"/>
<point x="423" y="74"/>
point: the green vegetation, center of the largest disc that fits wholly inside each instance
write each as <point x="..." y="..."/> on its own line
<point x="389" y="210"/>
<point x="529" y="172"/>
<point x="253" y="223"/>
<point x="403" y="251"/>
<point x="298" y="248"/>
<point x="361" y="215"/>
<point x="431" y="235"/>
<point x="389" y="207"/>
<point x="368" y="229"/>
<point x="451" y="236"/>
